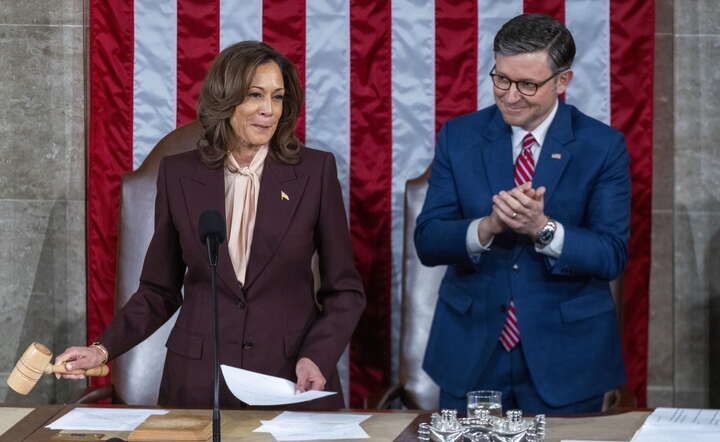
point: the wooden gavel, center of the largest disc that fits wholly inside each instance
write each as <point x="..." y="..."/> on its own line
<point x="35" y="362"/>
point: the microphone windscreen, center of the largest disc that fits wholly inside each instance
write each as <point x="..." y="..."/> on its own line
<point x="211" y="223"/>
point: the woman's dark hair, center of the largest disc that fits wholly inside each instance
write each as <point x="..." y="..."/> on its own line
<point x="537" y="32"/>
<point x="226" y="86"/>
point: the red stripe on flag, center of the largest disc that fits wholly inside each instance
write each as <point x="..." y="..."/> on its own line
<point x="370" y="192"/>
<point x="455" y="59"/>
<point x="284" y="29"/>
<point x="553" y="8"/>
<point x="109" y="153"/>
<point x="198" y="42"/>
<point x="632" y="28"/>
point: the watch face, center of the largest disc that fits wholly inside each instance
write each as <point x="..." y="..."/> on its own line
<point x="546" y="234"/>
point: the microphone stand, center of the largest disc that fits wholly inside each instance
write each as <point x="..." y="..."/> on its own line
<point x="212" y="241"/>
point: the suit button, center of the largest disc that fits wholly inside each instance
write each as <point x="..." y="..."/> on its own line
<point x="516" y="267"/>
<point x="248" y="346"/>
<point x="503" y="308"/>
<point x="241" y="304"/>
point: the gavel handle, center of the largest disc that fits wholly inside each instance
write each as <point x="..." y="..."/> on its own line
<point x="60" y="368"/>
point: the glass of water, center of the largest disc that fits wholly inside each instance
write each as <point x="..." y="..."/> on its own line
<point x="490" y="400"/>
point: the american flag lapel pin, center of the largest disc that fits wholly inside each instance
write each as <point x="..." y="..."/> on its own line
<point x="556" y="156"/>
<point x="284" y="196"/>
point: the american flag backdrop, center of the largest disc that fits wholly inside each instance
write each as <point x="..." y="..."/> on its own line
<point x="380" y="76"/>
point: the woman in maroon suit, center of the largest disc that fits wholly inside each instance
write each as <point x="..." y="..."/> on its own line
<point x="282" y="203"/>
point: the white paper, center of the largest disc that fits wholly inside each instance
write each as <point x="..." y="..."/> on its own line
<point x="315" y="426"/>
<point x="680" y="425"/>
<point x="691" y="418"/>
<point x="260" y="389"/>
<point x="106" y="419"/>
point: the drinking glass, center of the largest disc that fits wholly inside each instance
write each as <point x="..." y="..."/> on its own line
<point x="490" y="400"/>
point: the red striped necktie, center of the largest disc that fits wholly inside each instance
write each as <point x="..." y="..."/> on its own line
<point x="525" y="164"/>
<point x="524" y="171"/>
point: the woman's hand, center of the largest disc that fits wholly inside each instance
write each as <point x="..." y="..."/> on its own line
<point x="76" y="358"/>
<point x="308" y="376"/>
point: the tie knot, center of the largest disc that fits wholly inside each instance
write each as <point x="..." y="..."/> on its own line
<point x="528" y="140"/>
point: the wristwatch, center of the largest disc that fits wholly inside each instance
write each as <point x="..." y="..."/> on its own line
<point x="545" y="235"/>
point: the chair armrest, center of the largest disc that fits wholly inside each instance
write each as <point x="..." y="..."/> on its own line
<point x="618" y="399"/>
<point x="92" y="395"/>
<point x="392" y="393"/>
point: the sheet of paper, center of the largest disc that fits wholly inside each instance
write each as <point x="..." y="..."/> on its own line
<point x="684" y="417"/>
<point x="292" y="417"/>
<point x="106" y="419"/>
<point x="649" y="434"/>
<point x="680" y="425"/>
<point x="260" y="389"/>
<point x="315" y="426"/>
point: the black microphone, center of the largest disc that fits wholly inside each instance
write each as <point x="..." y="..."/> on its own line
<point x="212" y="232"/>
<point x="211" y="227"/>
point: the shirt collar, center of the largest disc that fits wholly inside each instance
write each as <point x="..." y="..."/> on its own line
<point x="539" y="132"/>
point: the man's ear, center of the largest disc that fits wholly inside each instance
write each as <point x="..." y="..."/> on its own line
<point x="563" y="81"/>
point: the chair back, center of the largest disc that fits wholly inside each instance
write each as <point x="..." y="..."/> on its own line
<point x="420" y="287"/>
<point x="136" y="374"/>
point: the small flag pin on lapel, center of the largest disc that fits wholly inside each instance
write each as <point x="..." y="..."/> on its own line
<point x="284" y="196"/>
<point x="556" y="156"/>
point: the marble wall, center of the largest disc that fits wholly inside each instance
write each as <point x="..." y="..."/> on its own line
<point x="697" y="203"/>
<point x="685" y="283"/>
<point x="42" y="185"/>
<point x="661" y="333"/>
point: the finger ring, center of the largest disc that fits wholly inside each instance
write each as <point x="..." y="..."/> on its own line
<point x="514" y="214"/>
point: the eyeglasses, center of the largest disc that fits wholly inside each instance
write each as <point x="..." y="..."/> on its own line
<point x="528" y="88"/>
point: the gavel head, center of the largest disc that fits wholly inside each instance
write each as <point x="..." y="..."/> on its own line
<point x="29" y="368"/>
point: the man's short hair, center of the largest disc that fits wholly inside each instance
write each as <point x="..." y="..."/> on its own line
<point x="537" y="32"/>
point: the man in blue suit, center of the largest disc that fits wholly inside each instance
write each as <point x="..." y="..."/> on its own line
<point x="528" y="205"/>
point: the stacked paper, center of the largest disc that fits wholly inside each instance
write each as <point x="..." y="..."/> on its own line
<point x="680" y="425"/>
<point x="291" y="425"/>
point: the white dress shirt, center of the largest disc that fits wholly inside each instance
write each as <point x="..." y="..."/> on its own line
<point x="554" y="249"/>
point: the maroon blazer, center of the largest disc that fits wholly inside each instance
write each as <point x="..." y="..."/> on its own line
<point x="276" y="317"/>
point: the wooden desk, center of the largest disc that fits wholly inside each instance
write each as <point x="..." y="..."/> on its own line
<point x="383" y="426"/>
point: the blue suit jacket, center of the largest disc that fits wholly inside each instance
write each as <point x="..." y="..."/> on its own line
<point x="565" y="310"/>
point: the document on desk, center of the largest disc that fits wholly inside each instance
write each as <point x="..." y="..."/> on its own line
<point x="105" y="419"/>
<point x="260" y="389"/>
<point x="680" y="425"/>
<point x="292" y="425"/>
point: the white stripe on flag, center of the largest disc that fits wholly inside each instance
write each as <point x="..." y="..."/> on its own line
<point x="413" y="125"/>
<point x="492" y="14"/>
<point x="327" y="83"/>
<point x="155" y="61"/>
<point x="589" y="22"/>
<point x="327" y="100"/>
<point x="240" y="20"/>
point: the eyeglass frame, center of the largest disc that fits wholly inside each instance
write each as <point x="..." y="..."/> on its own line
<point x="537" y="85"/>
